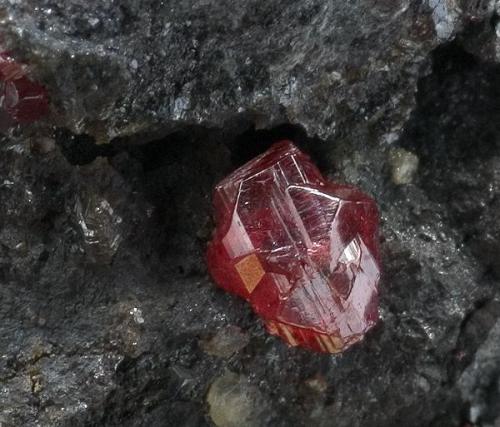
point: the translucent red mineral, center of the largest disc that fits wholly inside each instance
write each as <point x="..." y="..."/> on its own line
<point x="21" y="99"/>
<point x="302" y="250"/>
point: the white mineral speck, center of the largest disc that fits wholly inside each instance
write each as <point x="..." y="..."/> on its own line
<point x="136" y="313"/>
<point x="404" y="165"/>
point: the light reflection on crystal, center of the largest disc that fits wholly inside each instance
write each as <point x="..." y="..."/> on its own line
<point x="21" y="100"/>
<point x="303" y="251"/>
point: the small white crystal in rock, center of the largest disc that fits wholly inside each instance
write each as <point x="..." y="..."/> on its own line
<point x="234" y="402"/>
<point x="136" y="313"/>
<point x="404" y="165"/>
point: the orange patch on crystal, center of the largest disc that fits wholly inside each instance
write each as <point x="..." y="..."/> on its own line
<point x="272" y="328"/>
<point x="251" y="271"/>
<point x="332" y="344"/>
<point x="337" y="342"/>
<point x="289" y="336"/>
<point x="320" y="342"/>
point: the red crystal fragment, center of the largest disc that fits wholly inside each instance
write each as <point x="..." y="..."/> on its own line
<point x="21" y="100"/>
<point x="302" y="250"/>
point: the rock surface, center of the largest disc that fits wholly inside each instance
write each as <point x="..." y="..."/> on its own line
<point x="226" y="342"/>
<point x="328" y="66"/>
<point x="113" y="334"/>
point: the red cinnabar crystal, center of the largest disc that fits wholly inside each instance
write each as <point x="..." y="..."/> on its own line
<point x="21" y="100"/>
<point x="302" y="250"/>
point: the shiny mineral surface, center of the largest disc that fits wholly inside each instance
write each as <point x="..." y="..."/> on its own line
<point x="21" y="99"/>
<point x="302" y="250"/>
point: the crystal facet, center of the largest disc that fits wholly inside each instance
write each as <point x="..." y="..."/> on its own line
<point x="302" y="250"/>
<point x="21" y="100"/>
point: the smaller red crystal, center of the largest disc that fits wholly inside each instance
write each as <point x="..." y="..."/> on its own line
<point x="21" y="99"/>
<point x="302" y="250"/>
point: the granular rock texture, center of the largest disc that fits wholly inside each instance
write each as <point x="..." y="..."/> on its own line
<point x="328" y="66"/>
<point x="106" y="306"/>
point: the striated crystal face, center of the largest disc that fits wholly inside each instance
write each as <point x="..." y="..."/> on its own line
<point x="302" y="250"/>
<point x="21" y="100"/>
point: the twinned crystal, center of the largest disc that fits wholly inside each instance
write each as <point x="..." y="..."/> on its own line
<point x="302" y="250"/>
